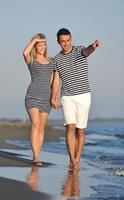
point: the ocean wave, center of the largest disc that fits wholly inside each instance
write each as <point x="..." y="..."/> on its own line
<point x="119" y="172"/>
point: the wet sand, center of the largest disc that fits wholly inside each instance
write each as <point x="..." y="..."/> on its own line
<point x="16" y="189"/>
<point x="14" y="132"/>
<point x="54" y="180"/>
<point x="12" y="189"/>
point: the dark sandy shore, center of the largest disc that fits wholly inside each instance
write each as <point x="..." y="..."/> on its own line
<point x="22" y="132"/>
<point x="19" y="179"/>
<point x="12" y="189"/>
<point x="15" y="189"/>
<point x="54" y="180"/>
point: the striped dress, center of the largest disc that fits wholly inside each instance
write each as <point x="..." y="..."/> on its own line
<point x="39" y="90"/>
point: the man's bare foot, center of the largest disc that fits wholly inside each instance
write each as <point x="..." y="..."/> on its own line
<point x="72" y="164"/>
<point x="77" y="164"/>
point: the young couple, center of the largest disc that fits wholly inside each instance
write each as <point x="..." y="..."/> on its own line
<point x="69" y="68"/>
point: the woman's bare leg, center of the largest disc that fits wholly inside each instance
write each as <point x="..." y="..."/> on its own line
<point x="43" y="121"/>
<point x="34" y="115"/>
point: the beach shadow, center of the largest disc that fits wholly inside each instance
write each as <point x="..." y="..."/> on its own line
<point x="14" y="159"/>
<point x="71" y="186"/>
<point x="18" y="160"/>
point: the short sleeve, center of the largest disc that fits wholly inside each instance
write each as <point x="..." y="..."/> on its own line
<point x="29" y="64"/>
<point x="52" y="68"/>
<point x="54" y="64"/>
<point x="80" y="50"/>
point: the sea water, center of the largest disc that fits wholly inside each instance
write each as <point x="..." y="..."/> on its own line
<point x="104" y="150"/>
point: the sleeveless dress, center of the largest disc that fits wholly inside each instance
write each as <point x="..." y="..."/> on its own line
<point x="39" y="90"/>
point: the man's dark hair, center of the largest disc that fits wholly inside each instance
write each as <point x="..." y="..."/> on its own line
<point x="63" y="31"/>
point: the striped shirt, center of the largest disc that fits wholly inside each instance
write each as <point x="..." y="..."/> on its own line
<point x="73" y="72"/>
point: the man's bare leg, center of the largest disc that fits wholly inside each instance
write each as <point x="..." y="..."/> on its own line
<point x="70" y="142"/>
<point x="80" y="141"/>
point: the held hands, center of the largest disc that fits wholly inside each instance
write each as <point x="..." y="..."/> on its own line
<point x="55" y="103"/>
<point x="97" y="44"/>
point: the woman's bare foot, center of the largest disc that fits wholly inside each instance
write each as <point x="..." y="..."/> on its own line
<point x="37" y="163"/>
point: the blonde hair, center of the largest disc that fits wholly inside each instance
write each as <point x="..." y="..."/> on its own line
<point x="33" y="51"/>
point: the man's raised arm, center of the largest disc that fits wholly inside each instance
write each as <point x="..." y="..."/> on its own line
<point x="88" y="50"/>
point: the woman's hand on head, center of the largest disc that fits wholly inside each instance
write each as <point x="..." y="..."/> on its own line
<point x="39" y="40"/>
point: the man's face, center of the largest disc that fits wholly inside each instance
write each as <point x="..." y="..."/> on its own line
<point x="65" y="42"/>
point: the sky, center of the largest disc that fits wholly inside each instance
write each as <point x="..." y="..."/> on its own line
<point x="87" y="20"/>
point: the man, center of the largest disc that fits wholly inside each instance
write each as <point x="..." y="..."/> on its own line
<point x="71" y="68"/>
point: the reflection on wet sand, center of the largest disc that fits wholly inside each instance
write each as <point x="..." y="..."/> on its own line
<point x="33" y="178"/>
<point x="70" y="188"/>
<point x="71" y="185"/>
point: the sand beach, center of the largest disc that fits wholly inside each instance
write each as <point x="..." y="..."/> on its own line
<point x="96" y="180"/>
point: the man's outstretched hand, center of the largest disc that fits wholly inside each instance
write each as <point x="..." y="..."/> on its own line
<point x="97" y="44"/>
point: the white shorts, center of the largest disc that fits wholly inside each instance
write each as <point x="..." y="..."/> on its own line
<point x="76" y="109"/>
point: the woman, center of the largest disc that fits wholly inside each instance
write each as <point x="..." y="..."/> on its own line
<point x="37" y="99"/>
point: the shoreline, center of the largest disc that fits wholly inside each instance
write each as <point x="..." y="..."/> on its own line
<point x="20" y="123"/>
<point x="54" y="180"/>
<point x="18" y="132"/>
